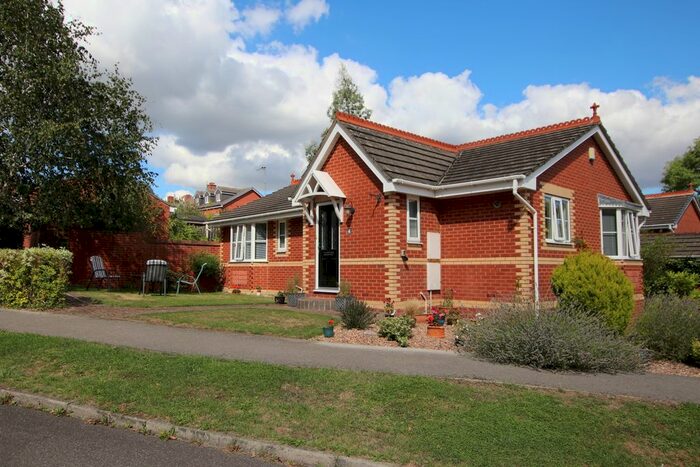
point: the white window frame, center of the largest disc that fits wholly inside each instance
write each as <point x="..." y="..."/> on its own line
<point x="627" y="224"/>
<point x="282" y="238"/>
<point x="410" y="239"/>
<point x="553" y="234"/>
<point x="241" y="243"/>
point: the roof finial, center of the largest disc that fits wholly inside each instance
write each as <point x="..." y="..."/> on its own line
<point x="595" y="109"/>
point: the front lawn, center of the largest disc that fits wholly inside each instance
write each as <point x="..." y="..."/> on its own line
<point x="133" y="299"/>
<point x="269" y="321"/>
<point x="404" y="419"/>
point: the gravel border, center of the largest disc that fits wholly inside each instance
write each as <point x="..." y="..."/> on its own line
<point x="213" y="439"/>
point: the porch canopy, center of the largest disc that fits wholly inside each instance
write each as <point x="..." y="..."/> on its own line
<point x="320" y="188"/>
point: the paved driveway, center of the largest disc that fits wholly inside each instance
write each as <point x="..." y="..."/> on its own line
<point x="33" y="438"/>
<point x="352" y="357"/>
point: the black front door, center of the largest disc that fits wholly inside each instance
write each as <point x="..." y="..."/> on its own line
<point x="327" y="247"/>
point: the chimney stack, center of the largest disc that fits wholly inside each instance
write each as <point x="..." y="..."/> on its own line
<point x="171" y="199"/>
<point x="294" y="181"/>
<point x="211" y="186"/>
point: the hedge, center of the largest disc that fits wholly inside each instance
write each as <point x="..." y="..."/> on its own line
<point x="34" y="278"/>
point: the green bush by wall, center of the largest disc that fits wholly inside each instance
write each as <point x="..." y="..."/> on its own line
<point x="592" y="283"/>
<point x="34" y="278"/>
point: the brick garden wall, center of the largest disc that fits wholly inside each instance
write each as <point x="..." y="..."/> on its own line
<point x="127" y="253"/>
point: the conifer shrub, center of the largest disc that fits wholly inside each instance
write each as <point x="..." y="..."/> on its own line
<point x="592" y="283"/>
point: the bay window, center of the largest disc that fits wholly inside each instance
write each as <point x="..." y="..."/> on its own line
<point x="557" y="225"/>
<point x="413" y="220"/>
<point x="249" y="242"/>
<point x="620" y="233"/>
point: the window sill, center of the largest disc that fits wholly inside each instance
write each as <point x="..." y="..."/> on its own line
<point x="417" y="243"/>
<point x="563" y="244"/>
<point x="324" y="290"/>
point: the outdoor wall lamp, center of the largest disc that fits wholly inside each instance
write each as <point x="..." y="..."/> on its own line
<point x="350" y="210"/>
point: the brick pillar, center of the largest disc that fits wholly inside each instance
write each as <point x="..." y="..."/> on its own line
<point x="523" y="249"/>
<point x="392" y="248"/>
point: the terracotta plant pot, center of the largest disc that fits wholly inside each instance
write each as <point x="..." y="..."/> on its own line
<point x="421" y="318"/>
<point x="436" y="331"/>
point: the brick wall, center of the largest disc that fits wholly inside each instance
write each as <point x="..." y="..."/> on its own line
<point x="270" y="276"/>
<point x="127" y="253"/>
<point x="582" y="181"/>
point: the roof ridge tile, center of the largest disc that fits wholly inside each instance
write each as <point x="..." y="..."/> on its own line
<point x="347" y="118"/>
<point x="531" y="132"/>
<point x="670" y="194"/>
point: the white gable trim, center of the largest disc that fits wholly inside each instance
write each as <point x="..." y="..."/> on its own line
<point x="530" y="181"/>
<point x="336" y="133"/>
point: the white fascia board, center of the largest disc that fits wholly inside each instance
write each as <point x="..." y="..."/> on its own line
<point x="278" y="215"/>
<point x="531" y="181"/>
<point x="457" y="189"/>
<point x="337" y="132"/>
<point x="489" y="187"/>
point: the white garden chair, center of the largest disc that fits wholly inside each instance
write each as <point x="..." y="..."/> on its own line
<point x="192" y="281"/>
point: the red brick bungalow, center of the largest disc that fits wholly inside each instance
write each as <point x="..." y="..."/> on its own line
<point x="404" y="217"/>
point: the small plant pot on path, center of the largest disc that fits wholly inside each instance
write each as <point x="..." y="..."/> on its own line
<point x="279" y="299"/>
<point x="328" y="331"/>
<point x="436" y="331"/>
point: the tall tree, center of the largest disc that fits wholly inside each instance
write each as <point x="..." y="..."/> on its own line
<point x="683" y="170"/>
<point x="73" y="138"/>
<point x="348" y="99"/>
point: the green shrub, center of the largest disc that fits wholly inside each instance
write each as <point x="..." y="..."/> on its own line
<point x="213" y="267"/>
<point x="515" y="334"/>
<point x="357" y="315"/>
<point x="181" y="230"/>
<point x="397" y="329"/>
<point x="681" y="283"/>
<point x="656" y="256"/>
<point x="34" y="278"/>
<point x="695" y="351"/>
<point x="668" y="325"/>
<point x="592" y="282"/>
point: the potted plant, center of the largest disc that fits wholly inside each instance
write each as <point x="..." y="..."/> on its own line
<point x="294" y="291"/>
<point x="279" y="298"/>
<point x="328" y="330"/>
<point x="344" y="296"/>
<point x="389" y="310"/>
<point x="436" y="323"/>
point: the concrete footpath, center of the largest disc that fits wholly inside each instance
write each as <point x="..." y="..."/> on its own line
<point x="302" y="353"/>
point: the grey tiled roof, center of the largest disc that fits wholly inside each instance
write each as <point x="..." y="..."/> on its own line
<point x="515" y="157"/>
<point x="402" y="158"/>
<point x="274" y="202"/>
<point x="667" y="210"/>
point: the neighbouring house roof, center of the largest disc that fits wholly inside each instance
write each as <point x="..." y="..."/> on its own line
<point x="228" y="195"/>
<point x="275" y="202"/>
<point x="668" y="208"/>
<point x="682" y="245"/>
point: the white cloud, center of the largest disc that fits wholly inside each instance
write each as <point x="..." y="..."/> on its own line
<point x="223" y="110"/>
<point x="306" y="11"/>
<point x="258" y="20"/>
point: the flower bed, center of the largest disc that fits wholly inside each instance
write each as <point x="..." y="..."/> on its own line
<point x="419" y="340"/>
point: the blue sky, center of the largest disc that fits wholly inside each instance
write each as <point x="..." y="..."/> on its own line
<point x="233" y="86"/>
<point x="510" y="45"/>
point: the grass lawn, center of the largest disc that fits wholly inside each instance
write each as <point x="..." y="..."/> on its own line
<point x="270" y="321"/>
<point x="393" y="418"/>
<point x="133" y="299"/>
